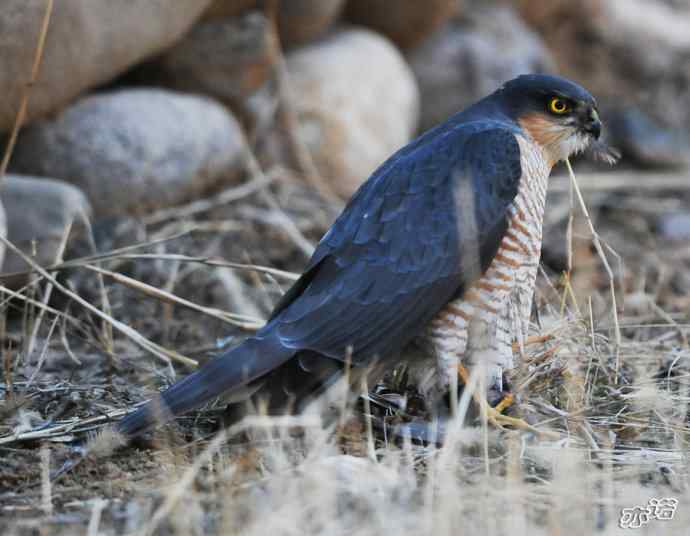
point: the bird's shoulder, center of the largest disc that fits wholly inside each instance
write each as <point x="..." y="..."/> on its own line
<point x="482" y="154"/>
<point x="407" y="242"/>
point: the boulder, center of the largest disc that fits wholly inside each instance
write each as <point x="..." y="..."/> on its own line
<point x="408" y="24"/>
<point x="228" y="58"/>
<point x="302" y="21"/>
<point x="39" y="210"/>
<point x="470" y="57"/>
<point x="674" y="226"/>
<point x="644" y="142"/>
<point x="3" y="232"/>
<point x="630" y="53"/>
<point x="136" y="150"/>
<point x="356" y="101"/>
<point x="228" y="8"/>
<point x="299" y="21"/>
<point x="88" y="44"/>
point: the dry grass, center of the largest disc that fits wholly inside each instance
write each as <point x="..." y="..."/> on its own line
<point x="616" y="406"/>
<point x="24" y="101"/>
<point x="610" y="383"/>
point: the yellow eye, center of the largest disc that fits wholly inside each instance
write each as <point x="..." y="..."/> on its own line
<point x="558" y="106"/>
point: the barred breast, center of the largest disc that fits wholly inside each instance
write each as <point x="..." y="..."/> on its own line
<point x="496" y="310"/>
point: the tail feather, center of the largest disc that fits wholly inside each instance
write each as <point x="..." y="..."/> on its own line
<point x="250" y="360"/>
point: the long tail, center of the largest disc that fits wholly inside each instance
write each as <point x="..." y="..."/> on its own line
<point x="250" y="360"/>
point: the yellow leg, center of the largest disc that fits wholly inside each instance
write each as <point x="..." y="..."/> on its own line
<point x="495" y="415"/>
<point x="504" y="403"/>
<point x="532" y="339"/>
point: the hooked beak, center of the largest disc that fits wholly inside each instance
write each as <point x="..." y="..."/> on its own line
<point x="592" y="124"/>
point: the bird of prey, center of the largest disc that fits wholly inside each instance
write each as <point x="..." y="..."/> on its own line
<point x="441" y="244"/>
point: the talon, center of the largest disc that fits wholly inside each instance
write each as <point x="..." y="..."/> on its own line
<point x="504" y="403"/>
<point x="532" y="339"/>
<point x="496" y="418"/>
<point x="499" y="420"/>
<point x="495" y="415"/>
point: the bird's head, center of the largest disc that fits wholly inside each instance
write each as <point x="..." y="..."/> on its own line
<point x="559" y="114"/>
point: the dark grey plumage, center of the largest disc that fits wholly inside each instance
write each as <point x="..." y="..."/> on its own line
<point x="399" y="252"/>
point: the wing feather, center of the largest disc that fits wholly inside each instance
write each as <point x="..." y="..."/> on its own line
<point x="421" y="230"/>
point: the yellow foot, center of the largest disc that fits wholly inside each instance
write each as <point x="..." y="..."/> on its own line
<point x="495" y="416"/>
<point x="532" y="339"/>
<point x="504" y="403"/>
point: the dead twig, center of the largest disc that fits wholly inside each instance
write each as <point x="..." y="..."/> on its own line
<point x="625" y="181"/>
<point x="600" y="251"/>
<point x="110" y="255"/>
<point x="48" y="292"/>
<point x="211" y="261"/>
<point x="106" y="329"/>
<point x="23" y="103"/>
<point x="241" y="321"/>
<point x="15" y="295"/>
<point x="258" y="183"/>
<point x="162" y="353"/>
<point x="289" y="226"/>
<point x="286" y="114"/>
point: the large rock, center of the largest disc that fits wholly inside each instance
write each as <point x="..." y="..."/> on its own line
<point x="228" y="58"/>
<point x="132" y="151"/>
<point x="88" y="43"/>
<point x="470" y="57"/>
<point x="356" y="101"/>
<point x="674" y="226"/>
<point x="299" y="21"/>
<point x="228" y="8"/>
<point x="39" y="211"/>
<point x="3" y="232"/>
<point x="627" y="52"/>
<point x="408" y="24"/>
<point x="643" y="142"/>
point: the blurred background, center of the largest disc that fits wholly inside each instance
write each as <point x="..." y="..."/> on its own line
<point x="168" y="135"/>
<point x="150" y="116"/>
<point x="148" y="104"/>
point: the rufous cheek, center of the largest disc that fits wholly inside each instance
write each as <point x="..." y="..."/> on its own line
<point x="547" y="133"/>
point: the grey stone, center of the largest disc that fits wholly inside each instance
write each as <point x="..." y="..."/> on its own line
<point x="299" y="21"/>
<point x="408" y="24"/>
<point x="228" y="8"/>
<point x="629" y="53"/>
<point x="470" y="58"/>
<point x="88" y="43"/>
<point x="228" y="58"/>
<point x="3" y="232"/>
<point x="132" y="151"/>
<point x="38" y="211"/>
<point x="675" y="226"/>
<point x="644" y="142"/>
<point x="302" y="21"/>
<point x="356" y="101"/>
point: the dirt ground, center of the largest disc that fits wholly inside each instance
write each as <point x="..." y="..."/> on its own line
<point x="605" y="389"/>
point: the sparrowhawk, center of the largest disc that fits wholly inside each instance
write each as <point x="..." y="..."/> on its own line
<point x="442" y="243"/>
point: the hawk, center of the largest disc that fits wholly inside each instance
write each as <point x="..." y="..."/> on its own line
<point x="441" y="244"/>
